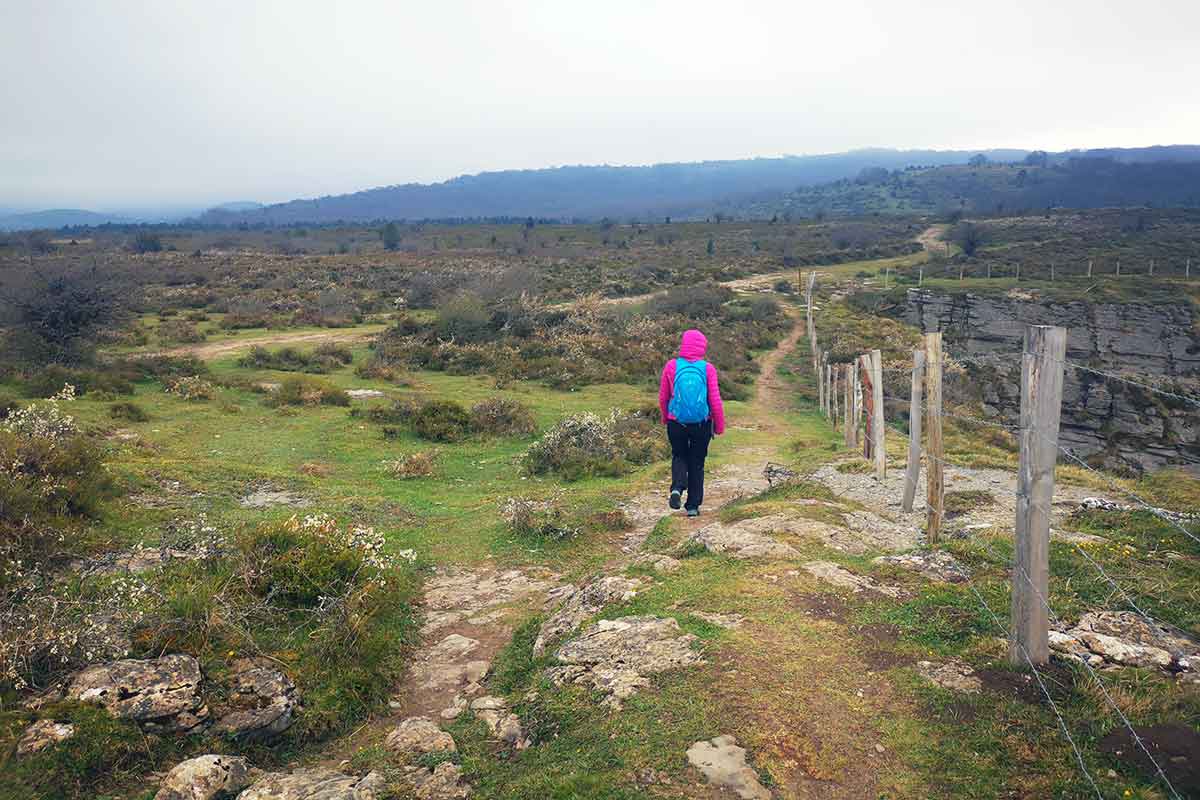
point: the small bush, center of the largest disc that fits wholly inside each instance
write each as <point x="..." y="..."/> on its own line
<point x="193" y="389"/>
<point x="441" y="421"/>
<point x="289" y="359"/>
<point x="52" y="378"/>
<point x="128" y="411"/>
<point x="585" y="444"/>
<point x="784" y="286"/>
<point x="413" y="465"/>
<point x="537" y="519"/>
<point x="297" y="391"/>
<point x="179" y="331"/>
<point x="464" y="319"/>
<point x="162" y="368"/>
<point x="499" y="416"/>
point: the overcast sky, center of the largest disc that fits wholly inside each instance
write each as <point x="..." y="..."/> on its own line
<point x="112" y="104"/>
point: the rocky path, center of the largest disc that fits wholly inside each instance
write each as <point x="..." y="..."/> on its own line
<point x="206" y="351"/>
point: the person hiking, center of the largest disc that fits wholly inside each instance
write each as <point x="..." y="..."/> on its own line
<point x="690" y="400"/>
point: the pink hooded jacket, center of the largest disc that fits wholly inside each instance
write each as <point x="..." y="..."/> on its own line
<point x="692" y="348"/>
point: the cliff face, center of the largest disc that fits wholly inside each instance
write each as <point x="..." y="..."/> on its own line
<point x="1104" y="420"/>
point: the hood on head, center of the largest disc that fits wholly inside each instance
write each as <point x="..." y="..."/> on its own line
<point x="693" y="346"/>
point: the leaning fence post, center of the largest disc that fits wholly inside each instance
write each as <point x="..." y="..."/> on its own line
<point x="913" y="470"/>
<point x="877" y="420"/>
<point x="1041" y="401"/>
<point x="933" y="435"/>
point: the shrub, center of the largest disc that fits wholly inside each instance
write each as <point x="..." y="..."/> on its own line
<point x="161" y="367"/>
<point x="441" y="421"/>
<point x="127" y="411"/>
<point x="50" y="379"/>
<point x="784" y="286"/>
<point x="193" y="389"/>
<point x="297" y="391"/>
<point x="499" y="416"/>
<point x="585" y="444"/>
<point x="464" y="319"/>
<point x="413" y="465"/>
<point x="289" y="359"/>
<point x="180" y="331"/>
<point x="536" y="519"/>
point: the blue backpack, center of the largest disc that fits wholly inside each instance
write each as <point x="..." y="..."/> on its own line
<point x="689" y="401"/>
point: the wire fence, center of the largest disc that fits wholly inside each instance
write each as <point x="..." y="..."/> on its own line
<point x="867" y="372"/>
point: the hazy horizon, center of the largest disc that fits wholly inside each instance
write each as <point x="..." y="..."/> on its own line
<point x="122" y="106"/>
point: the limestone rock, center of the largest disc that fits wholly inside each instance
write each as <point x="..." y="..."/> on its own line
<point x="267" y="498"/>
<point x="832" y="573"/>
<point x="617" y="656"/>
<point x="42" y="734"/>
<point x="952" y="675"/>
<point x="455" y="595"/>
<point x="315" y="784"/>
<point x="204" y="778"/>
<point x="363" y="394"/>
<point x="1126" y="639"/>
<point x="262" y="702"/>
<point x="936" y="565"/>
<point x="581" y="604"/>
<point x="658" y="562"/>
<point x="504" y="725"/>
<point x="416" y="736"/>
<point x="162" y="694"/>
<point x="748" y="538"/>
<point x="443" y="782"/>
<point x="724" y="765"/>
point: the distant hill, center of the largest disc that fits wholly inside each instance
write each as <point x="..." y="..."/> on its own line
<point x="237" y="206"/>
<point x="592" y="192"/>
<point x="1160" y="176"/>
<point x="58" y="218"/>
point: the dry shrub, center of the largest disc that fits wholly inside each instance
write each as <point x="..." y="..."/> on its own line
<point x="316" y="469"/>
<point x="500" y="416"/>
<point x="537" y="519"/>
<point x="193" y="389"/>
<point x="583" y="445"/>
<point x="615" y="520"/>
<point x="413" y="465"/>
<point x="298" y="391"/>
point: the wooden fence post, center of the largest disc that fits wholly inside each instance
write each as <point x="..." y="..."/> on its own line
<point x="1187" y="271"/>
<point x="1052" y="272"/>
<point x="833" y="395"/>
<point x="913" y="470"/>
<point x="820" y="376"/>
<point x="877" y="418"/>
<point x="1089" y="268"/>
<point x="933" y="434"/>
<point x="812" y="329"/>
<point x="1152" y="266"/>
<point x="920" y="276"/>
<point x="1118" y="267"/>
<point x="989" y="270"/>
<point x="868" y="401"/>
<point x="828" y="387"/>
<point x="848" y="406"/>
<point x="1041" y="400"/>
<point x="858" y="406"/>
<point x="1018" y="270"/>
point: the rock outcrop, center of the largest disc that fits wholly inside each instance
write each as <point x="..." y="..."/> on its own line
<point x="42" y="734"/>
<point x="261" y="702"/>
<point x="417" y="736"/>
<point x="315" y="784"/>
<point x="579" y="604"/>
<point x="162" y="695"/>
<point x="723" y="765"/>
<point x="617" y="656"/>
<point x="844" y="579"/>
<point x="1122" y="425"/>
<point x="503" y="725"/>
<point x="937" y="565"/>
<point x="750" y="538"/>
<point x="1126" y="639"/>
<point x="210" y="777"/>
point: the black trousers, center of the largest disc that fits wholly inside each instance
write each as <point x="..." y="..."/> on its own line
<point x="689" y="448"/>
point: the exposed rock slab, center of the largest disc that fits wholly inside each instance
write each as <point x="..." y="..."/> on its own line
<point x="315" y="784"/>
<point x="363" y="394"/>
<point x="42" y="734"/>
<point x="1126" y="639"/>
<point x="161" y="695"/>
<point x="658" y="562"/>
<point x="579" y="604"/>
<point x="446" y="665"/>
<point x="261" y="704"/>
<point x="953" y="675"/>
<point x="416" y="736"/>
<point x="937" y="565"/>
<point x="453" y="595"/>
<point x="617" y="656"/>
<point x="206" y="777"/>
<point x="504" y="725"/>
<point x="443" y="782"/>
<point x="844" y="579"/>
<point x="724" y="765"/>
<point x="749" y="538"/>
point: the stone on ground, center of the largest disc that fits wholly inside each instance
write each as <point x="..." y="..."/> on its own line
<point x="42" y="734"/>
<point x="617" y="656"/>
<point x="936" y="565"/>
<point x="260" y="704"/>
<point x="452" y="595"/>
<point x="315" y="784"/>
<point x="658" y="562"/>
<point x="162" y="694"/>
<point x="748" y="538"/>
<point x="204" y="778"/>
<point x="443" y="782"/>
<point x="503" y="725"/>
<point x="724" y="765"/>
<point x="1126" y="639"/>
<point x="579" y="604"/>
<point x="844" y="579"/>
<point x="268" y="498"/>
<point x="952" y="675"/>
<point x="720" y="620"/>
<point x="417" y="736"/>
<point x="363" y="394"/>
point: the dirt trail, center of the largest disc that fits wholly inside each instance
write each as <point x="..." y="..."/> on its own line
<point x="210" y="350"/>
<point x="931" y="238"/>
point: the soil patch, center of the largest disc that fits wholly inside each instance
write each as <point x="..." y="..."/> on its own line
<point x="1024" y="686"/>
<point x="879" y="651"/>
<point x="1175" y="747"/>
<point x="822" y="606"/>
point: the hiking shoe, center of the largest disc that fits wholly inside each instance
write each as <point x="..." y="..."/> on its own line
<point x="675" y="498"/>
<point x="693" y="512"/>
